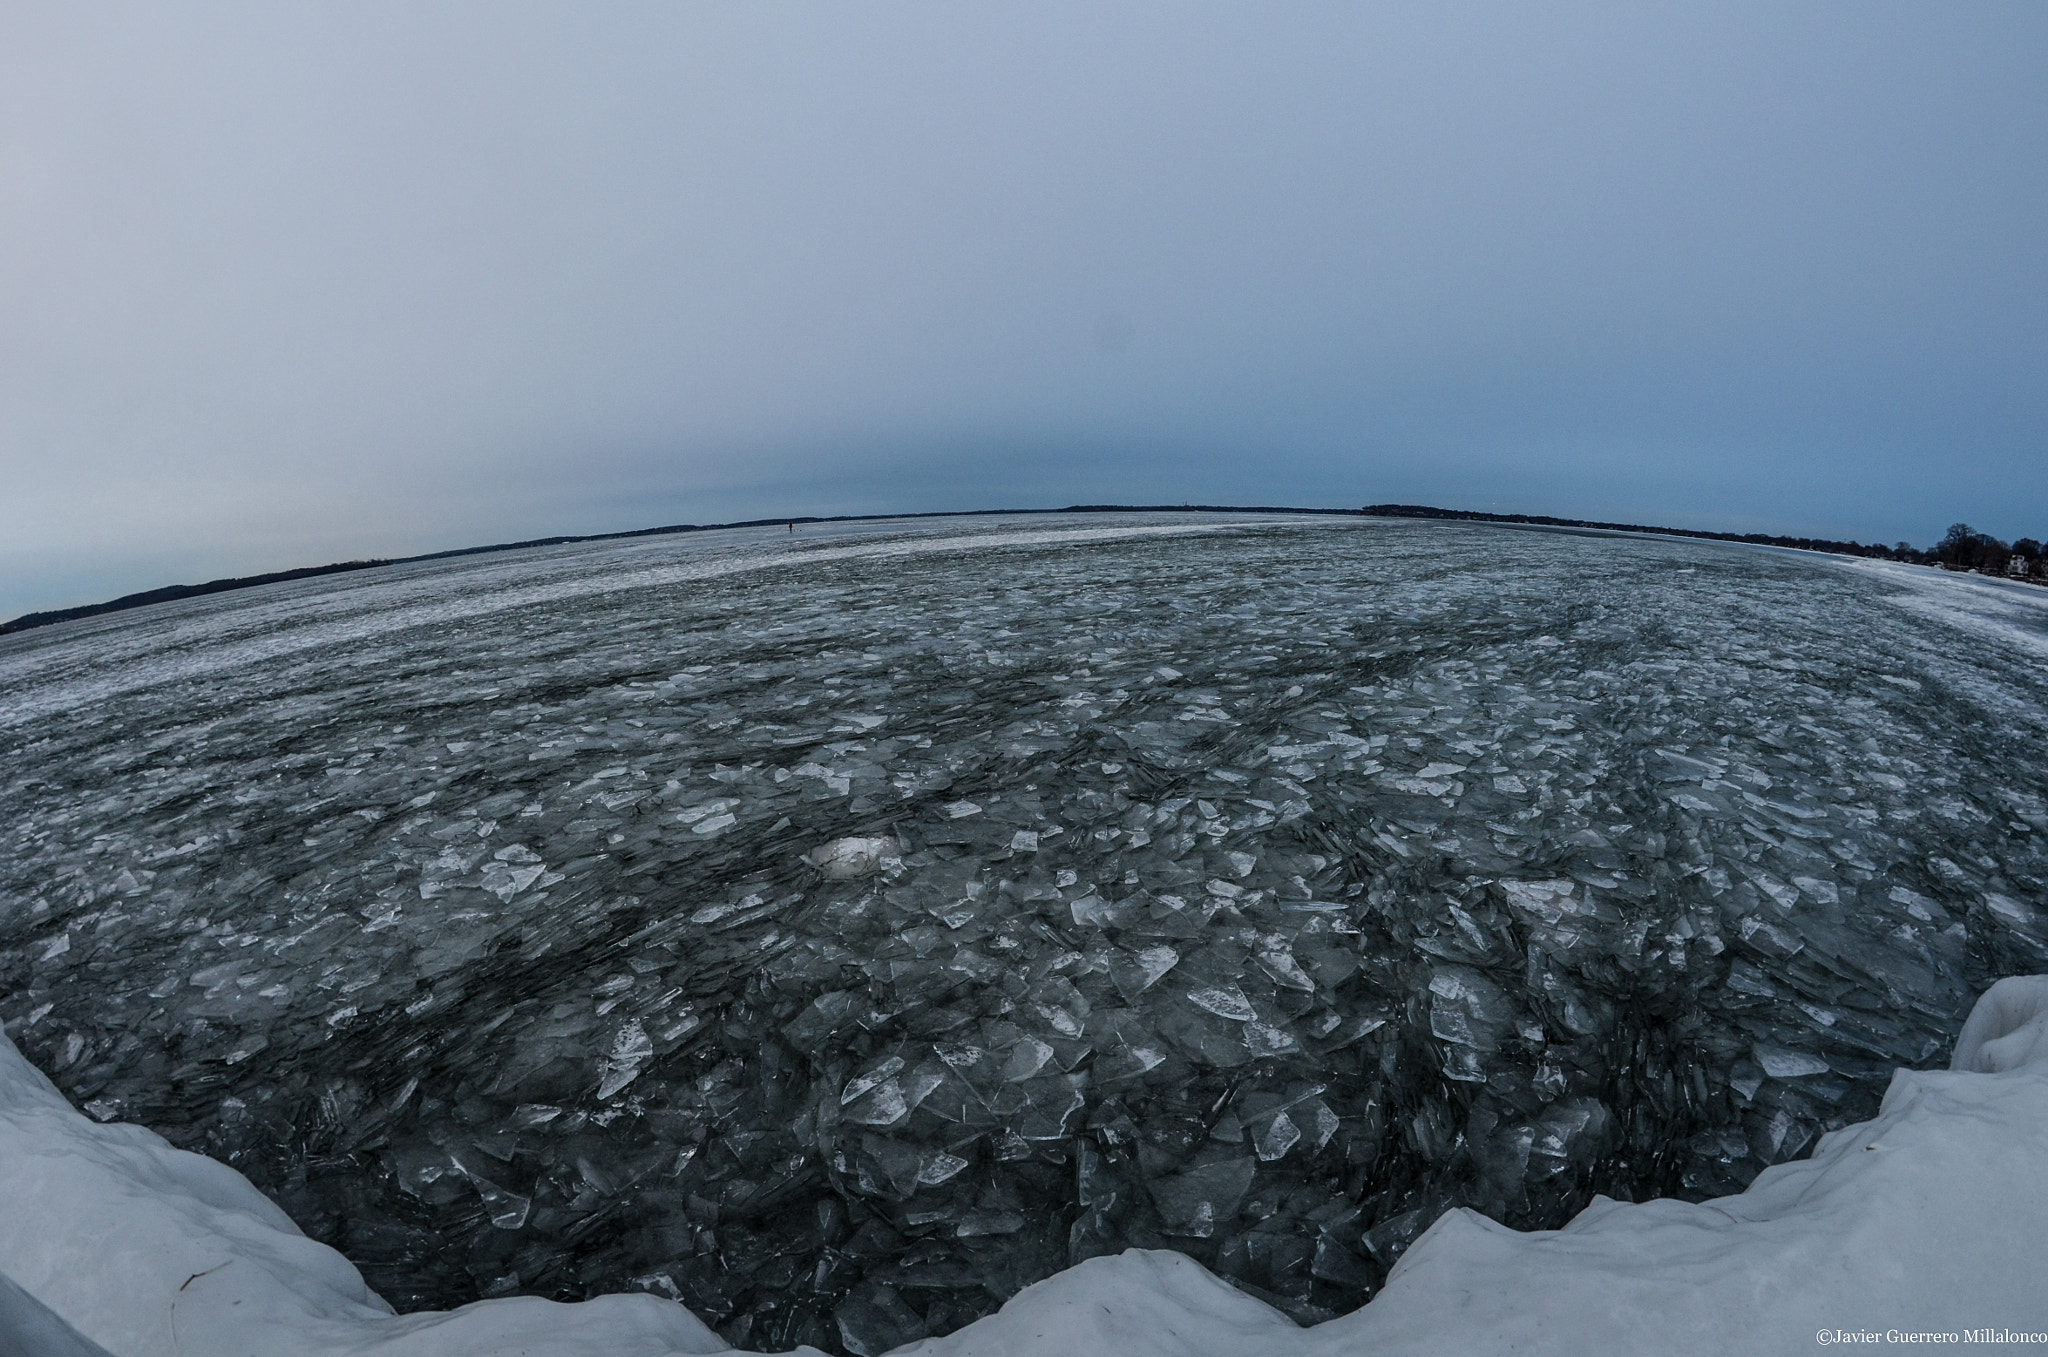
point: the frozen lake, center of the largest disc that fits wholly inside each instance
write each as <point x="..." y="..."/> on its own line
<point x="1253" y="887"/>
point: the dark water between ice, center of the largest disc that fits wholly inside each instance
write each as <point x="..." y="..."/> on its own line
<point x="1256" y="892"/>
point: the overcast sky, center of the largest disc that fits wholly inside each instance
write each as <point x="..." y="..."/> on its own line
<point x="283" y="284"/>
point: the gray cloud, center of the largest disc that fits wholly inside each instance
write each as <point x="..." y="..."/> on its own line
<point x="289" y="285"/>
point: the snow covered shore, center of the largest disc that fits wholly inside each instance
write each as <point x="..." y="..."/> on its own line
<point x="1925" y="1220"/>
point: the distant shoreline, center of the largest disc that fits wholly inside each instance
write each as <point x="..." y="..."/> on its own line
<point x="174" y="592"/>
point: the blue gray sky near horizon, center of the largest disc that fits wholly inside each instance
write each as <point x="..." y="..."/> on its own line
<point x="284" y="285"/>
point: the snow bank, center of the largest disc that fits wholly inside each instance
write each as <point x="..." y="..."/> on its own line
<point x="2009" y="612"/>
<point x="148" y="1250"/>
<point x="1926" y="1219"/>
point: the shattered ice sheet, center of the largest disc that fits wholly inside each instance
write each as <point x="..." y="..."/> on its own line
<point x="1921" y="1222"/>
<point x="842" y="934"/>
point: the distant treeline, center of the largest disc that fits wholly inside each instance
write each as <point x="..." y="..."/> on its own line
<point x="1967" y="549"/>
<point x="176" y="591"/>
<point x="1964" y="548"/>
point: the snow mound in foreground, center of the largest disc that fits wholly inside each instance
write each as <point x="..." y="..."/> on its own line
<point x="1922" y="1220"/>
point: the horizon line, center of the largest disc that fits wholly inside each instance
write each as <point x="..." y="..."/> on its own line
<point x="173" y="592"/>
